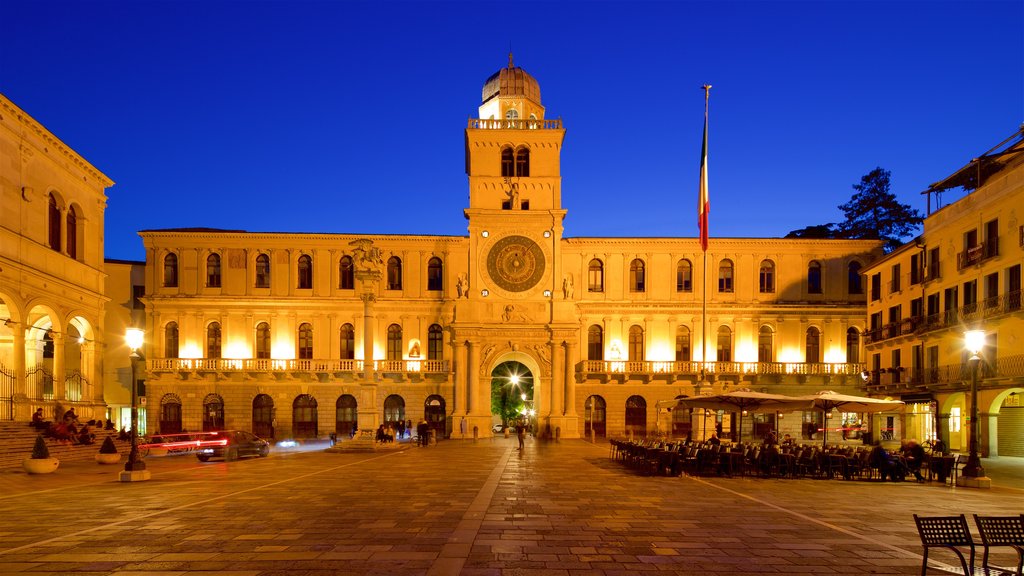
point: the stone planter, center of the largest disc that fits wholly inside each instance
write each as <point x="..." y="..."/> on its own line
<point x="40" y="465"/>
<point x="102" y="458"/>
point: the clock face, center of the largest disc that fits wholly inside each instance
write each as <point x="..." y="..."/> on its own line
<point x="515" y="263"/>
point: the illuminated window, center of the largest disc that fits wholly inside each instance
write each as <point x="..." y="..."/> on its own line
<point x="594" y="410"/>
<point x="346" y="415"/>
<point x="213" y="413"/>
<point x="213" y="271"/>
<point x="305" y="341"/>
<point x="814" y="277"/>
<point x="684" y="276"/>
<point x="725" y="276"/>
<point x="766" y="277"/>
<point x="305" y="269"/>
<point x="171" y="270"/>
<point x="636" y="276"/>
<point x="954" y="419"/>
<point x="724" y="344"/>
<point x="54" y="223"/>
<point x="636" y="344"/>
<point x="346" y="274"/>
<point x="263" y="271"/>
<point x="263" y="416"/>
<point x="394" y="273"/>
<point x="304" y="417"/>
<point x="435" y="342"/>
<point x="853" y="281"/>
<point x="347" y="335"/>
<point x="682" y="344"/>
<point x="595" y="343"/>
<point x="512" y="114"/>
<point x="523" y="162"/>
<point x="595" y="276"/>
<point x="213" y="340"/>
<point x="766" y="344"/>
<point x="852" y="346"/>
<point x="435" y="274"/>
<point x="813" y="354"/>
<point x="507" y="162"/>
<point x="263" y="340"/>
<point x="394" y="350"/>
<point x="636" y="415"/>
<point x="171" y="340"/>
<point x="72" y="232"/>
<point x="394" y="409"/>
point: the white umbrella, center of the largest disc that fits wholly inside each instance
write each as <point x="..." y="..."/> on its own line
<point x="746" y="399"/>
<point x="827" y="400"/>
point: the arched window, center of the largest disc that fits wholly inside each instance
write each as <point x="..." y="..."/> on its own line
<point x="595" y="343"/>
<point x="347" y="335"/>
<point x="171" y="270"/>
<point x="684" y="276"/>
<point x="636" y="344"/>
<point x="523" y="162"/>
<point x="54" y="223"/>
<point x="213" y="413"/>
<point x="853" y="281"/>
<point x="636" y="275"/>
<point x="213" y="271"/>
<point x="724" y="344"/>
<point x="512" y="114"/>
<point x="814" y="277"/>
<point x="304" y="417"/>
<point x="636" y="416"/>
<point x="346" y="415"/>
<point x="435" y="342"/>
<point x="766" y="277"/>
<point x="682" y="344"/>
<point x="507" y="163"/>
<point x="305" y="341"/>
<point x="263" y="340"/>
<point x="766" y="344"/>
<point x="263" y="416"/>
<point x="213" y="340"/>
<point x="725" y="276"/>
<point x="394" y="273"/>
<point x="435" y="274"/>
<point x="394" y="351"/>
<point x="72" y="232"/>
<point x="595" y="276"/>
<point x="594" y="410"/>
<point x="813" y="346"/>
<point x="394" y="409"/>
<point x="852" y="346"/>
<point x="305" y="272"/>
<point x="170" y="414"/>
<point x="263" y="271"/>
<point x="171" y="340"/>
<point x="346" y="274"/>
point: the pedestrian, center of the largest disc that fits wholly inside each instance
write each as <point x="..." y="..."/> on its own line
<point x="521" y="433"/>
<point x="423" y="431"/>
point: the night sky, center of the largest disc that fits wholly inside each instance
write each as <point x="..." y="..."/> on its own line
<point x="348" y="116"/>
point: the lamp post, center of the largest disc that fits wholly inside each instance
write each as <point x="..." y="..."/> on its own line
<point x="974" y="341"/>
<point x="134" y="468"/>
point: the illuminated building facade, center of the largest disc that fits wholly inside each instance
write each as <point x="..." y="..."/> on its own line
<point x="309" y="334"/>
<point x="52" y="294"/>
<point x="962" y="273"/>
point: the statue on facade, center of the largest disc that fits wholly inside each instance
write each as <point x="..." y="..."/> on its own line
<point x="367" y="256"/>
<point x="462" y="286"/>
<point x="513" y="194"/>
<point x="567" y="287"/>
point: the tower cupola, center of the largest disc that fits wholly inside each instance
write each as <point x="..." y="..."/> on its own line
<point x="511" y="93"/>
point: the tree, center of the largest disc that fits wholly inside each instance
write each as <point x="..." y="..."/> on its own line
<point x="816" y="231"/>
<point x="874" y="213"/>
<point x="509" y="381"/>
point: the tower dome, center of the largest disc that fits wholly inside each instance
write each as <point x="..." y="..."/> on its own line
<point x="511" y="81"/>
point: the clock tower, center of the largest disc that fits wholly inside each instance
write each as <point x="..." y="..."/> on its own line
<point x="517" y="305"/>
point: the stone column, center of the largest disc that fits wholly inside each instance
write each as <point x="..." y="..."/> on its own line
<point x="459" y="354"/>
<point x="369" y="320"/>
<point x="570" y="378"/>
<point x="557" y="380"/>
<point x="58" y="365"/>
<point x="473" y="376"/>
<point x="20" y="384"/>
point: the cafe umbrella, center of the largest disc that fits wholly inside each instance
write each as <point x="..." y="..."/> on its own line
<point x="744" y="399"/>
<point x="827" y="400"/>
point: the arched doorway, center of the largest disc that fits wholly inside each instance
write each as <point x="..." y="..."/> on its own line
<point x="636" y="416"/>
<point x="263" y="416"/>
<point x="213" y="413"/>
<point x="682" y="421"/>
<point x="394" y="410"/>
<point x="512" y="392"/>
<point x="594" y="411"/>
<point x="304" y="417"/>
<point x="434" y="413"/>
<point x="170" y="414"/>
<point x="346" y="420"/>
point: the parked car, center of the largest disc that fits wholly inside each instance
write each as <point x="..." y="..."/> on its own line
<point x="497" y="428"/>
<point x="231" y="445"/>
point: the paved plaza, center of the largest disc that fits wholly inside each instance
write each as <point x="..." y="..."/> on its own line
<point x="468" y="508"/>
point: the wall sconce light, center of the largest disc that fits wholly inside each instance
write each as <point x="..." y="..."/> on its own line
<point x="485" y="233"/>
<point x="547" y="293"/>
<point x="485" y="293"/>
<point x="547" y="233"/>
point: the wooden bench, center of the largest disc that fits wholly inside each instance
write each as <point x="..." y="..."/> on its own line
<point x="1001" y="531"/>
<point x="949" y="532"/>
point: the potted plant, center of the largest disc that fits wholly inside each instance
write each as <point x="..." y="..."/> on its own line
<point x="108" y="453"/>
<point x="40" y="462"/>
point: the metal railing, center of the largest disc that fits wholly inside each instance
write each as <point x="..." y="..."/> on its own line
<point x="6" y="393"/>
<point x="990" y="308"/>
<point x="74" y="385"/>
<point x="977" y="254"/>
<point x="301" y="365"/>
<point x="728" y="368"/>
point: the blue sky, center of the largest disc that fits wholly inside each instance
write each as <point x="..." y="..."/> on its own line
<point x="348" y="117"/>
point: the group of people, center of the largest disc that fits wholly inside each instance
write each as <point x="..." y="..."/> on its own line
<point x="69" y="429"/>
<point x="391" y="431"/>
<point x="909" y="460"/>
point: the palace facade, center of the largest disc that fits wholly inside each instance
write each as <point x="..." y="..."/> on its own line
<point x="963" y="273"/>
<point x="300" y="335"/>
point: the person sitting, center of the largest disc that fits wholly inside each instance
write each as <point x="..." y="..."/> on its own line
<point x="70" y="416"/>
<point x="110" y="425"/>
<point x="37" y="420"/>
<point x="915" y="457"/>
<point x="787" y="440"/>
<point x="714" y="441"/>
<point x="888" y="467"/>
<point x="85" y="435"/>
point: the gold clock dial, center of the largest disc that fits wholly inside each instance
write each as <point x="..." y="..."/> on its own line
<point x="515" y="263"/>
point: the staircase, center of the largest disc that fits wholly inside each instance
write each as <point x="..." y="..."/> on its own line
<point x="18" y="438"/>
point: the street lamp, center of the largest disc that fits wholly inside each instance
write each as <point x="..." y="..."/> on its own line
<point x="974" y="341"/>
<point x="134" y="468"/>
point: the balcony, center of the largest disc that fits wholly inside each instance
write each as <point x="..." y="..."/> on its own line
<point x="951" y="375"/>
<point x="395" y="369"/>
<point x="1009" y="303"/>
<point x="977" y="254"/>
<point x="648" y="370"/>
<point x="931" y="272"/>
<point x="514" y="124"/>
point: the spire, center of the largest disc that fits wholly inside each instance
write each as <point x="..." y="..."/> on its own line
<point x="510" y="58"/>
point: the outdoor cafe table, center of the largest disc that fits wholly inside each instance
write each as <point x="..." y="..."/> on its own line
<point x="941" y="465"/>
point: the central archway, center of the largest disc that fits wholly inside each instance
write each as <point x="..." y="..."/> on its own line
<point x="512" y="392"/>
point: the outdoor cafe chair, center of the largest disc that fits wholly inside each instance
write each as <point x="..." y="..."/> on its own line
<point x="1001" y="531"/>
<point x="949" y="532"/>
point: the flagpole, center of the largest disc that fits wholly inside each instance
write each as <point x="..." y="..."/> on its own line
<point x="703" y="223"/>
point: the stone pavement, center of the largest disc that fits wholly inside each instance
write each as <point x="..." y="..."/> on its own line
<point x="479" y="509"/>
